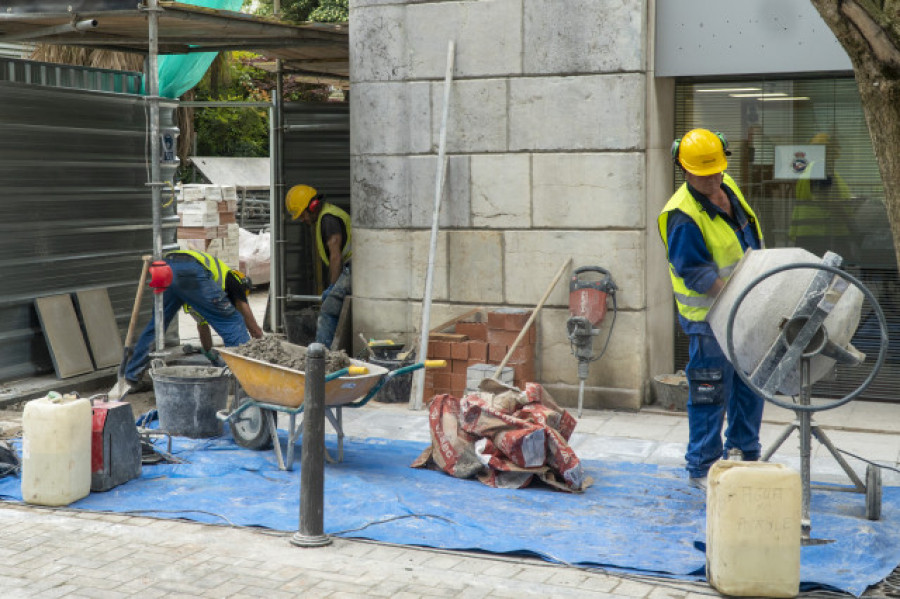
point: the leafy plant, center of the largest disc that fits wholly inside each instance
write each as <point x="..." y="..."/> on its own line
<point x="331" y="11"/>
<point x="300" y="11"/>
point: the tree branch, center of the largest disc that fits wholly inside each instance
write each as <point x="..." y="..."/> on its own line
<point x="882" y="44"/>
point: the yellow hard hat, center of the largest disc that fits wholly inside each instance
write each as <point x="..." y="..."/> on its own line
<point x="701" y="152"/>
<point x="820" y="138"/>
<point x="298" y="198"/>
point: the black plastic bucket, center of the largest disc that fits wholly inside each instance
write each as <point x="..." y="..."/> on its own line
<point x="187" y="399"/>
<point x="300" y="326"/>
<point x="398" y="388"/>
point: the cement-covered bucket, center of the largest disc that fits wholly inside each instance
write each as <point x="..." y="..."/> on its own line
<point x="671" y="390"/>
<point x="188" y="397"/>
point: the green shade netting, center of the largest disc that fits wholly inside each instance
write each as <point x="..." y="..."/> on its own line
<point x="180" y="72"/>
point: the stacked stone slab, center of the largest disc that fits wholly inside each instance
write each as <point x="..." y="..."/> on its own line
<point x="207" y="223"/>
<point x="484" y="342"/>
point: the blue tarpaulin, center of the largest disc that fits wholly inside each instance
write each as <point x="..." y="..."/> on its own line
<point x="640" y="518"/>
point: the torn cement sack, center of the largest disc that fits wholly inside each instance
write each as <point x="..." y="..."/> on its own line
<point x="505" y="437"/>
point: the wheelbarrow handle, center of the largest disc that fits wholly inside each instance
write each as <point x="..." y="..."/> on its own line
<point x="351" y="370"/>
<point x="226" y="416"/>
<point x="391" y="374"/>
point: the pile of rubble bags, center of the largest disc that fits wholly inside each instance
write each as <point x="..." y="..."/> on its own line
<point x="504" y="437"/>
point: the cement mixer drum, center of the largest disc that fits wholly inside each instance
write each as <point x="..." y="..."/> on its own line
<point x="770" y="307"/>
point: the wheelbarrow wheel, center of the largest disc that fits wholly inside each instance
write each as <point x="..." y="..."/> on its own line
<point x="873" y="492"/>
<point x="249" y="429"/>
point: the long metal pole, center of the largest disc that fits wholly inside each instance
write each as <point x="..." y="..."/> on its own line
<point x="418" y="384"/>
<point x="310" y="531"/>
<point x="155" y="183"/>
<point x="276" y="200"/>
<point x="804" y="418"/>
<point x="274" y="269"/>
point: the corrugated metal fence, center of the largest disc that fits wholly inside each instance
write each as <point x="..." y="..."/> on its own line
<point x="75" y="210"/>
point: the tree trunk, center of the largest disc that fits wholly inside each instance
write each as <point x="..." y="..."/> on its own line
<point x="874" y="52"/>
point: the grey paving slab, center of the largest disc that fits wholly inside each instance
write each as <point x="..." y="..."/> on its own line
<point x="100" y="326"/>
<point x="63" y="334"/>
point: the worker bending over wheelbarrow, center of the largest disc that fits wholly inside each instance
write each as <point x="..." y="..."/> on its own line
<point x="212" y="292"/>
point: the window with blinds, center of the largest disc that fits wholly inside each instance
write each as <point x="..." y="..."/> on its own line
<point x="801" y="154"/>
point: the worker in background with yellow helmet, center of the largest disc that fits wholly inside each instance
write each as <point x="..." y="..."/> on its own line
<point x="332" y="231"/>
<point x="706" y="227"/>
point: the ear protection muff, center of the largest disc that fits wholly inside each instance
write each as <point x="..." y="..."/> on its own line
<point x="677" y="144"/>
<point x="315" y="204"/>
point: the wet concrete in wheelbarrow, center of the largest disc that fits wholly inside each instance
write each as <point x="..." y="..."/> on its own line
<point x="280" y="353"/>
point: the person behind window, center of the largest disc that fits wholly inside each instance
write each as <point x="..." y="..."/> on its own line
<point x="822" y="216"/>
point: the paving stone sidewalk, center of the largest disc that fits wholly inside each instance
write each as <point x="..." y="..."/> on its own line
<point x="66" y="553"/>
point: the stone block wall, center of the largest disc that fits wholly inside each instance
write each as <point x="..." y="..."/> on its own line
<point x="547" y="146"/>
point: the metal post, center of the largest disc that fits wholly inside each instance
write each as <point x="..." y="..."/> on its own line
<point x="312" y="462"/>
<point x="273" y="234"/>
<point x="418" y="382"/>
<point x="277" y="282"/>
<point x="155" y="183"/>
<point x="805" y="420"/>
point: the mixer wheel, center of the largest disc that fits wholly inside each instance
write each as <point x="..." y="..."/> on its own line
<point x="873" y="492"/>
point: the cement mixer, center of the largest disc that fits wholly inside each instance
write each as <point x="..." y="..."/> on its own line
<point x="785" y="319"/>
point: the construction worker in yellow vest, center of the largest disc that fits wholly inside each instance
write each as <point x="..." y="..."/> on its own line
<point x="706" y="227"/>
<point x="332" y="230"/>
<point x="216" y="296"/>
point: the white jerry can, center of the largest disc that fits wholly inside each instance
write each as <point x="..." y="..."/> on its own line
<point x="753" y="513"/>
<point x="56" y="450"/>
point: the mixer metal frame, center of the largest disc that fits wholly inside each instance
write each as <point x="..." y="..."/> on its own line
<point x="796" y="346"/>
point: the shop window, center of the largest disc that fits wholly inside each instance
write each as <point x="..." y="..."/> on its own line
<point x="802" y="155"/>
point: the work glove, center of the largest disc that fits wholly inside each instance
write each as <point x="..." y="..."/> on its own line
<point x="213" y="356"/>
<point x="326" y="292"/>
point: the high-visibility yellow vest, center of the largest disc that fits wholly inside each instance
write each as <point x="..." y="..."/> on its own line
<point x="820" y="212"/>
<point x="721" y="241"/>
<point x="333" y="210"/>
<point x="216" y="267"/>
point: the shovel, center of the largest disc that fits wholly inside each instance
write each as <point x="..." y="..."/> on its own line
<point x="120" y="389"/>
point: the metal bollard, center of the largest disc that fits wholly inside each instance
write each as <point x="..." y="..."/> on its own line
<point x="310" y="532"/>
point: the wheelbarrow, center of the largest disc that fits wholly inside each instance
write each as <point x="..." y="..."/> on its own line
<point x="270" y="388"/>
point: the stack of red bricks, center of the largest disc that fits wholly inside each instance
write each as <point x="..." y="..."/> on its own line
<point x="483" y="341"/>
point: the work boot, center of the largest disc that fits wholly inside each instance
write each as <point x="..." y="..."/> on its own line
<point x="698" y="481"/>
<point x="140" y="386"/>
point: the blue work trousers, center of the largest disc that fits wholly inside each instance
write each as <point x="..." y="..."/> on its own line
<point x="717" y="390"/>
<point x="192" y="284"/>
<point x="326" y="326"/>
